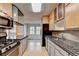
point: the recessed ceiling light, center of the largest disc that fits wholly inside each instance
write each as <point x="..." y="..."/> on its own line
<point x="36" y="7"/>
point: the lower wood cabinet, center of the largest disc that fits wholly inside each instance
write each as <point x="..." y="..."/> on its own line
<point x="23" y="46"/>
<point x="57" y="53"/>
<point x="14" y="52"/>
<point x="54" y="50"/>
<point x="50" y="49"/>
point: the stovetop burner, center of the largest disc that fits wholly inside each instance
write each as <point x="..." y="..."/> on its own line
<point x="7" y="45"/>
<point x="3" y="44"/>
<point x="7" y="42"/>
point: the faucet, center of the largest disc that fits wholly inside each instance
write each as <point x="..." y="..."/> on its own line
<point x="63" y="37"/>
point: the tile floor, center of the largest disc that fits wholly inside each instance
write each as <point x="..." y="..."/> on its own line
<point x="35" y="49"/>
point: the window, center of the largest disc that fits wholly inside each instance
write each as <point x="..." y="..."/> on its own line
<point x="38" y="30"/>
<point x="32" y="29"/>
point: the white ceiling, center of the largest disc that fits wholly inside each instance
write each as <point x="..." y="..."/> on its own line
<point x="27" y="10"/>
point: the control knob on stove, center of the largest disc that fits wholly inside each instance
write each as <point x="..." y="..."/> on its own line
<point x="9" y="46"/>
<point x="6" y="48"/>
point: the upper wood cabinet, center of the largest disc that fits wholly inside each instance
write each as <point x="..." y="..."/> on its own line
<point x="51" y="21"/>
<point x="72" y="16"/>
<point x="7" y="8"/>
<point x="45" y="19"/>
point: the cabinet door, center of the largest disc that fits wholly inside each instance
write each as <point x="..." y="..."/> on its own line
<point x="64" y="53"/>
<point x="7" y="8"/>
<point x="71" y="21"/>
<point x="52" y="46"/>
<point x="23" y="46"/>
<point x="52" y="51"/>
<point x="49" y="49"/>
<point x="57" y="53"/>
<point x="72" y="16"/>
<point x="45" y="19"/>
<point x="14" y="52"/>
<point x="20" y="49"/>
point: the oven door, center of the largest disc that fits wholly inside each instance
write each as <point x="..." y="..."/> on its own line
<point x="4" y="21"/>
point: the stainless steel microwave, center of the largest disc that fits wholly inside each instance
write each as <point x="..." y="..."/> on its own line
<point x="6" y="22"/>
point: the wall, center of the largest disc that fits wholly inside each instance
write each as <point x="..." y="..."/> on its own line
<point x="11" y="33"/>
<point x="71" y="35"/>
<point x="19" y="30"/>
<point x="25" y="20"/>
<point x="2" y="32"/>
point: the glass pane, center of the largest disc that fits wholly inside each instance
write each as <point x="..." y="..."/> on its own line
<point x="32" y="30"/>
<point x="38" y="30"/>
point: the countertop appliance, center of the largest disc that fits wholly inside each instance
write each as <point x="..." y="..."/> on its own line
<point x="7" y="44"/>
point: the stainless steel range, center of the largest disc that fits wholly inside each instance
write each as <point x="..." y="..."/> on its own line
<point x="7" y="44"/>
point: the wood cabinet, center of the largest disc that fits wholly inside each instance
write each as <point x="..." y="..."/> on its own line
<point x="57" y="53"/>
<point x="54" y="50"/>
<point x="23" y="46"/>
<point x="51" y="21"/>
<point x="7" y="8"/>
<point x="72" y="16"/>
<point x="50" y="49"/>
<point x="14" y="52"/>
<point x="60" y="25"/>
<point x="70" y="21"/>
<point x="45" y="19"/>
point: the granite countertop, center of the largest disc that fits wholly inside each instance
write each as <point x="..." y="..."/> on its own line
<point x="21" y="37"/>
<point x="69" y="46"/>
